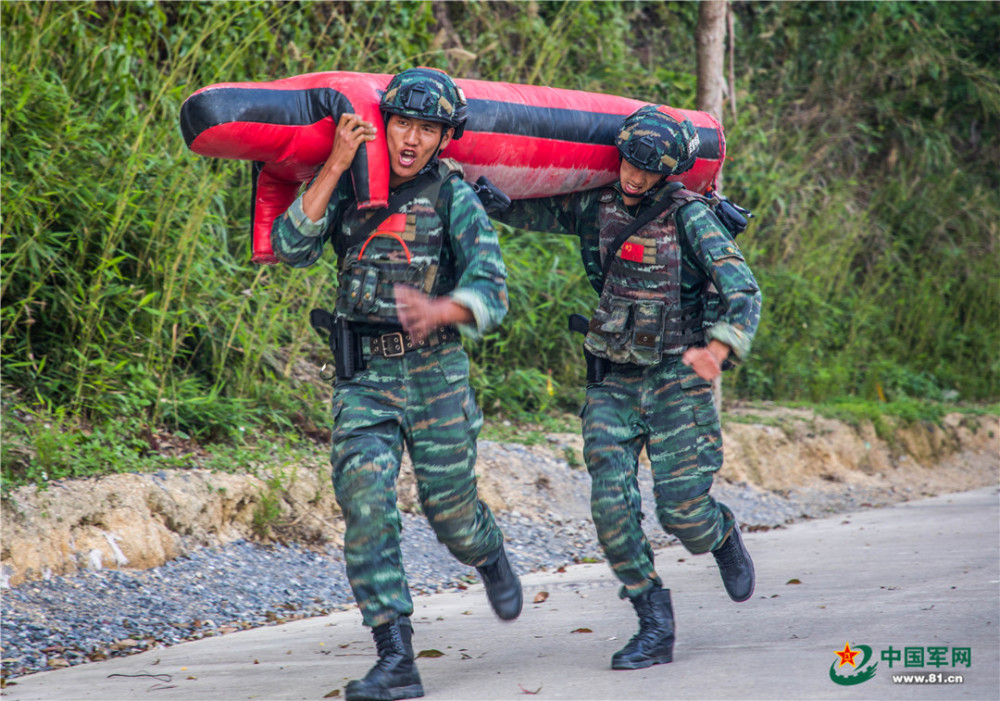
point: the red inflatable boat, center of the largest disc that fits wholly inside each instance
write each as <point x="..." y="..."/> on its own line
<point x="530" y="141"/>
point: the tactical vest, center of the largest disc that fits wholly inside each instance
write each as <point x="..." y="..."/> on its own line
<point x="406" y="249"/>
<point x="639" y="316"/>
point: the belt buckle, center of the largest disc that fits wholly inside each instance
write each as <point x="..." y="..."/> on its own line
<point x="398" y="348"/>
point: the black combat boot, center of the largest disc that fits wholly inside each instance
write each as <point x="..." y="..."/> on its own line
<point x="503" y="588"/>
<point x="654" y="643"/>
<point x="394" y="676"/>
<point x="735" y="566"/>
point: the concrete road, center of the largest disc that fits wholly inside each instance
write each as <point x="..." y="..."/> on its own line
<point x="918" y="579"/>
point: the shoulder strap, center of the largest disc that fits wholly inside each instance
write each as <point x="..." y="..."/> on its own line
<point x="664" y="203"/>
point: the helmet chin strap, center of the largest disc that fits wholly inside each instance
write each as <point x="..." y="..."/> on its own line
<point x="430" y="164"/>
<point x="655" y="188"/>
<point x="433" y="159"/>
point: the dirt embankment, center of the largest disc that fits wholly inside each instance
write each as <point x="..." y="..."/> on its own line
<point x="142" y="520"/>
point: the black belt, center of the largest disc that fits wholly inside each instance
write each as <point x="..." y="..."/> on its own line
<point x="398" y="343"/>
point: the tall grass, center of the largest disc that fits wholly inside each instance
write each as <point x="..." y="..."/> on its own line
<point x="876" y="243"/>
<point x="864" y="143"/>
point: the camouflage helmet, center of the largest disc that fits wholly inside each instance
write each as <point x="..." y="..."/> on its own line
<point x="658" y="138"/>
<point x="426" y="93"/>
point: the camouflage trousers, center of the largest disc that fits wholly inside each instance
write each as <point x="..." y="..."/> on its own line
<point x="422" y="400"/>
<point x="669" y="410"/>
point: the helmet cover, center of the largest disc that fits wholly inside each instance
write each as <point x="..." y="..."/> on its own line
<point x="658" y="138"/>
<point x="426" y="93"/>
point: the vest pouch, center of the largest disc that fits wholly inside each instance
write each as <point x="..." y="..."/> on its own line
<point x="392" y="274"/>
<point x="415" y="275"/>
<point x="648" y="324"/>
<point x="350" y="298"/>
<point x="611" y="321"/>
<point x="369" y="290"/>
<point x="428" y="276"/>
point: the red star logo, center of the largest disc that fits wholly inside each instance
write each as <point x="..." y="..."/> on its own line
<point x="847" y="655"/>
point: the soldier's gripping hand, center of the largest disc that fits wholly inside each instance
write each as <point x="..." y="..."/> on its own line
<point x="352" y="131"/>
<point x="420" y="314"/>
<point x="706" y="361"/>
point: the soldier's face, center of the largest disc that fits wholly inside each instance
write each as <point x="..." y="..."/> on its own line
<point x="412" y="143"/>
<point x="636" y="182"/>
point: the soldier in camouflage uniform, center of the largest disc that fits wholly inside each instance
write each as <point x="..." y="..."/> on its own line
<point x="658" y="356"/>
<point x="431" y="268"/>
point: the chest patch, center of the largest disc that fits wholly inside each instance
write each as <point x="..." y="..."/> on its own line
<point x="638" y="249"/>
<point x="394" y="224"/>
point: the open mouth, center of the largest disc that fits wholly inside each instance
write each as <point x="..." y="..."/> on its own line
<point x="407" y="157"/>
<point x="631" y="189"/>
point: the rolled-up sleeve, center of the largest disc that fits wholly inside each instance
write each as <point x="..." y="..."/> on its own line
<point x="720" y="258"/>
<point x="296" y="239"/>
<point x="482" y="276"/>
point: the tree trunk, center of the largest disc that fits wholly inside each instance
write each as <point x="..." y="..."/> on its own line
<point x="711" y="41"/>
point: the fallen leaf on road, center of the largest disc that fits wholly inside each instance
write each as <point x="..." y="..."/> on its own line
<point x="332" y="694"/>
<point x="430" y="653"/>
<point x="541" y="596"/>
<point x="794" y="581"/>
<point x="525" y="691"/>
<point x="582" y="630"/>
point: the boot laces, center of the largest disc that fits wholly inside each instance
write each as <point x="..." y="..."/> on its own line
<point x="730" y="553"/>
<point x="647" y="621"/>
<point x="388" y="639"/>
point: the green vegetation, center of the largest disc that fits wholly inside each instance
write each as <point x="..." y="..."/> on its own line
<point x="864" y="142"/>
<point x="267" y="513"/>
<point x="40" y="447"/>
<point x="877" y="184"/>
<point x="530" y="430"/>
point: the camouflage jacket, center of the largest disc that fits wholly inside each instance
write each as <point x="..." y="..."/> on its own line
<point x="471" y="267"/>
<point x="708" y="254"/>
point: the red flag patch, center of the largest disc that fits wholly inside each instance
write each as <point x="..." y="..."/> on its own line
<point x="395" y="224"/>
<point x="632" y="251"/>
